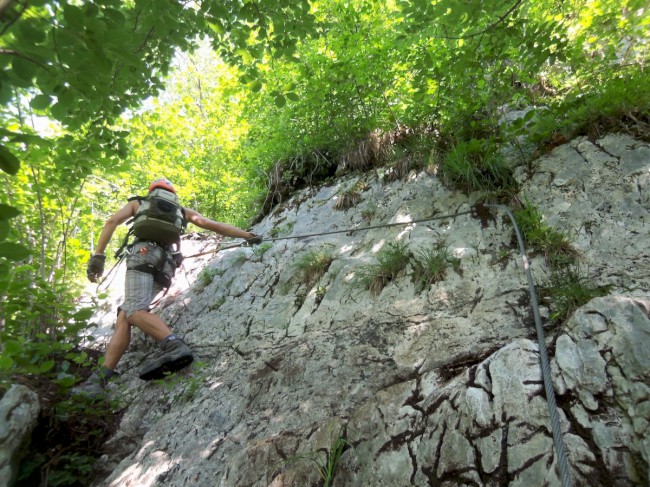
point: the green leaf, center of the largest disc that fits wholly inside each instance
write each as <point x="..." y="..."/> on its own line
<point x="292" y="96"/>
<point x="6" y="93"/>
<point x="7" y="212"/>
<point x="13" y="251"/>
<point x="74" y="17"/>
<point x="47" y="365"/>
<point x="8" y="162"/>
<point x="83" y="314"/>
<point x="30" y="32"/>
<point x="30" y="139"/>
<point x="217" y="28"/>
<point x="23" y="68"/>
<point x="4" y="231"/>
<point x="66" y="381"/>
<point x="115" y="16"/>
<point x="255" y="86"/>
<point x="280" y="101"/>
<point x="6" y="362"/>
<point x="40" y="102"/>
<point x="12" y="347"/>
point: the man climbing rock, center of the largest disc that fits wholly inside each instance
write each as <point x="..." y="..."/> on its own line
<point x="151" y="261"/>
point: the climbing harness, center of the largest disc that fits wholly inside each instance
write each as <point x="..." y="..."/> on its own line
<point x="543" y="357"/>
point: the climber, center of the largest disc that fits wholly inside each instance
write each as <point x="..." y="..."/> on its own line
<point x="151" y="261"/>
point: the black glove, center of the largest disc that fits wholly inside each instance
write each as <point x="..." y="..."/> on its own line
<point x="95" y="267"/>
<point x="254" y="240"/>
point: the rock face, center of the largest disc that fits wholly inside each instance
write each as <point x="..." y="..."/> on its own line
<point x="19" y="409"/>
<point x="435" y="384"/>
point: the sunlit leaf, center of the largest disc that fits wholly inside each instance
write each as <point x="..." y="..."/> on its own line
<point x="255" y="86"/>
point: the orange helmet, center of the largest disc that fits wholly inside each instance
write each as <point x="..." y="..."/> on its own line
<point x="163" y="183"/>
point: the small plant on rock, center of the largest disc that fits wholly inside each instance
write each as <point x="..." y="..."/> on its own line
<point x="568" y="290"/>
<point x="327" y="466"/>
<point x="347" y="200"/>
<point x="369" y="213"/>
<point x="391" y="261"/>
<point x="181" y="386"/>
<point x="313" y="264"/>
<point x="476" y="165"/>
<point x="555" y="245"/>
<point x="325" y="459"/>
<point x="430" y="265"/>
<point x="261" y="249"/>
<point x="207" y="275"/>
<point x="282" y="230"/>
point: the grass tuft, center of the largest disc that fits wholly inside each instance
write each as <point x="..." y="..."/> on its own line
<point x="476" y="165"/>
<point x="553" y="244"/>
<point x="347" y="200"/>
<point x="391" y="261"/>
<point x="430" y="265"/>
<point x="312" y="265"/>
<point x="569" y="289"/>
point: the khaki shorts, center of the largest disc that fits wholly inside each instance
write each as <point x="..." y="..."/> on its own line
<point x="140" y="288"/>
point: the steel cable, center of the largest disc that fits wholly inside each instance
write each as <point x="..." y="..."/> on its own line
<point x="543" y="357"/>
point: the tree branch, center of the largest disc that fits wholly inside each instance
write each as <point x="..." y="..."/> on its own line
<point x="146" y="39"/>
<point x="11" y="52"/>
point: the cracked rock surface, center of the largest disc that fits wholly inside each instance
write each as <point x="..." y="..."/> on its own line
<point x="439" y="386"/>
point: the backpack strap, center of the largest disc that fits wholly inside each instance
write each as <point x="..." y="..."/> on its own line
<point x="139" y="199"/>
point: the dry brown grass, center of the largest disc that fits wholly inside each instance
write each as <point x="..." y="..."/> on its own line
<point x="347" y="200"/>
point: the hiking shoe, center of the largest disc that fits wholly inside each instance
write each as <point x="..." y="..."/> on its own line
<point x="175" y="356"/>
<point x="94" y="388"/>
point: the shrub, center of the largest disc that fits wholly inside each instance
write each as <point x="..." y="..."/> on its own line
<point x="618" y="105"/>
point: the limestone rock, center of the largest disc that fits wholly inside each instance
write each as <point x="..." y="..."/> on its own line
<point x="19" y="408"/>
<point x="410" y="386"/>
